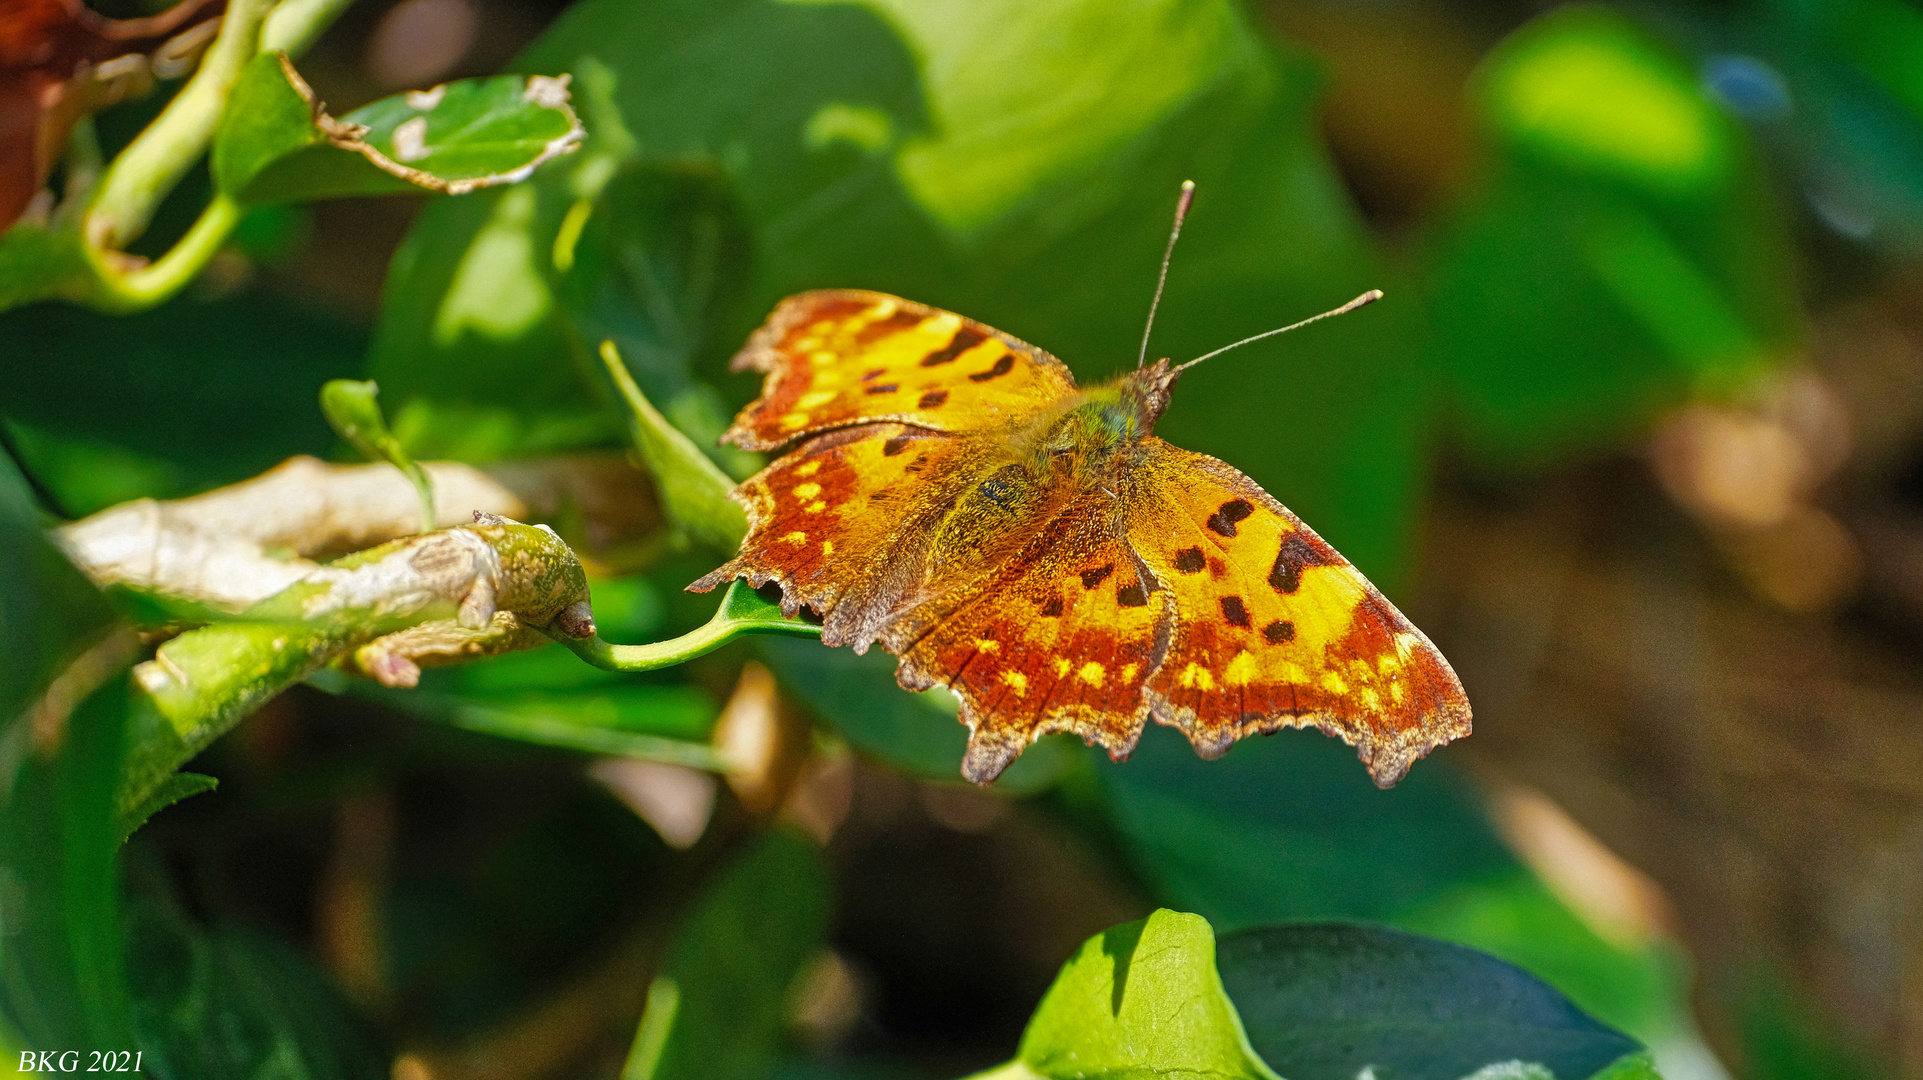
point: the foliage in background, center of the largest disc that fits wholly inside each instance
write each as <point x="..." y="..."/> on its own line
<point x="1619" y="247"/>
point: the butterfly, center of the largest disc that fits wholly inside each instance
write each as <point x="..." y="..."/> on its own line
<point x="950" y="493"/>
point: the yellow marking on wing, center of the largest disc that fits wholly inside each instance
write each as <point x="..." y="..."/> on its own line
<point x="794" y="421"/>
<point x="1196" y="676"/>
<point x="807" y="344"/>
<point x="807" y="491"/>
<point x="807" y="468"/>
<point x="1061" y="668"/>
<point x="943" y="325"/>
<point x="796" y="537"/>
<point x="815" y="507"/>
<point x="1127" y="674"/>
<point x="827" y="547"/>
<point x="882" y="309"/>
<point x="1016" y="681"/>
<point x="1333" y="683"/>
<point x="987" y="645"/>
<point x="818" y="397"/>
<point x="1241" y="670"/>
<point x="1093" y="674"/>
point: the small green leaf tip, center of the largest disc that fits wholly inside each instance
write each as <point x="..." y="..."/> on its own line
<point x="354" y="409"/>
<point x="1141" y="999"/>
<point x="693" y="490"/>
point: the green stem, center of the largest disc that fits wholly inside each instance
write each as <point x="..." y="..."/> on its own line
<point x="296" y="23"/>
<point x="170" y="273"/>
<point x="149" y="167"/>
<point x="741" y="613"/>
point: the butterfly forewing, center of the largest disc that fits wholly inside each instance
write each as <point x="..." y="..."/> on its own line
<point x="1274" y="629"/>
<point x="840" y="357"/>
<point x="822" y="516"/>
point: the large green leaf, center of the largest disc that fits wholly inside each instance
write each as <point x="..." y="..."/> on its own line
<point x="1290" y="827"/>
<point x="858" y="697"/>
<point x="717" y="1011"/>
<point x="1618" y="249"/>
<point x="232" y="1003"/>
<point x="1334" y="1001"/>
<point x="62" y="979"/>
<point x="1136" y="1002"/>
<point x="812" y="117"/>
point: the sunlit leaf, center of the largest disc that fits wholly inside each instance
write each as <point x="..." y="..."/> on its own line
<point x="718" y="1009"/>
<point x="1141" y="1000"/>
<point x="693" y="490"/>
<point x="277" y="144"/>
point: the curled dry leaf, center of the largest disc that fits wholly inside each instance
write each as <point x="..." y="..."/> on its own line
<point x="60" y="61"/>
<point x="243" y="543"/>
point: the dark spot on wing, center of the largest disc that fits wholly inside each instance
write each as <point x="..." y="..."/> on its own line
<point x="1002" y="367"/>
<point x="1053" y="609"/>
<point x="875" y="374"/>
<point x="1223" y="520"/>
<point x="1234" y="612"/>
<point x="1131" y="595"/>
<point x="884" y="388"/>
<point x="1092" y="578"/>
<point x="1296" y="555"/>
<point x="964" y="340"/>
<point x="894" y="324"/>
<point x="895" y="445"/>
<point x="1279" y="631"/>
<point x="933" y="399"/>
<point x="1190" y="561"/>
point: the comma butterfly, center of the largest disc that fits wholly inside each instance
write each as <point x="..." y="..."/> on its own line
<point x="950" y="492"/>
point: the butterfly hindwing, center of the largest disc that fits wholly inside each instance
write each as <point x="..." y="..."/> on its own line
<point x="838" y="357"/>
<point x="1061" y="638"/>
<point x="1275" y="629"/>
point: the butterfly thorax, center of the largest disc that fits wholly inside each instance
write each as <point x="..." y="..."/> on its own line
<point x="1101" y="425"/>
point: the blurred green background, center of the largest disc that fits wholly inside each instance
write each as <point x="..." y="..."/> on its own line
<point x="1637" y="436"/>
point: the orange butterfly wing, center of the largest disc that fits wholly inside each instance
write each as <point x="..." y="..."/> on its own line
<point x="1061" y="637"/>
<point x="841" y="356"/>
<point x="819" y="517"/>
<point x="1274" y="629"/>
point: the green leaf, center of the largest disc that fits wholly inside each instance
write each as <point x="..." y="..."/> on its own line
<point x="859" y="698"/>
<point x="658" y="723"/>
<point x="63" y="707"/>
<point x="354" y="408"/>
<point x="1140" y="1001"/>
<point x="1327" y="1001"/>
<point x="228" y="1002"/>
<point x="801" y="112"/>
<point x="63" y="980"/>
<point x="718" y="1009"/>
<point x="276" y="143"/>
<point x="693" y="489"/>
<point x="1295" y="830"/>
<point x="1620" y="224"/>
<point x="1001" y="131"/>
<point x="179" y="786"/>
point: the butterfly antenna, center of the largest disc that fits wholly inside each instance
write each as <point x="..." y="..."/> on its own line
<point x="1364" y="300"/>
<point x="1181" y="211"/>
